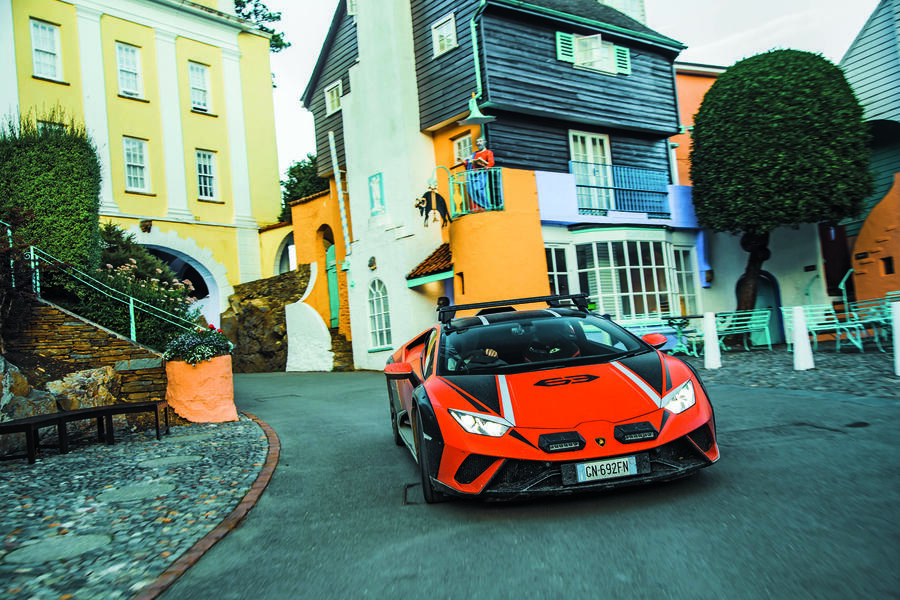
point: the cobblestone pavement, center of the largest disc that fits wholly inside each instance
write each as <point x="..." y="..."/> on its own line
<point x="855" y="373"/>
<point x="105" y="521"/>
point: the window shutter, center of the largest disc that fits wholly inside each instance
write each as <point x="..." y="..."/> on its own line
<point x="623" y="60"/>
<point x="565" y="47"/>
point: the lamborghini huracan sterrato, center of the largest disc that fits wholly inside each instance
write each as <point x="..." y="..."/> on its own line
<point x="510" y="403"/>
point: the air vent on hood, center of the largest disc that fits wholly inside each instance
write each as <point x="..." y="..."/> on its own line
<point x="631" y="433"/>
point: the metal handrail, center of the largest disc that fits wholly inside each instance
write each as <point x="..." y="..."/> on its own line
<point x="843" y="287"/>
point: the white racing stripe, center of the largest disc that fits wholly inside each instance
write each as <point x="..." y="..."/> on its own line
<point x="505" y="400"/>
<point x="638" y="382"/>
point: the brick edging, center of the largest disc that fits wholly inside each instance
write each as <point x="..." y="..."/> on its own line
<point x="203" y="545"/>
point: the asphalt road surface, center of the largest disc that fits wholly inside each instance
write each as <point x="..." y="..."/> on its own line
<point x="803" y="504"/>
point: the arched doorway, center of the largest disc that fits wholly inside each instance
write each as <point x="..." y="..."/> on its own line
<point x="286" y="257"/>
<point x="186" y="268"/>
<point x="768" y="295"/>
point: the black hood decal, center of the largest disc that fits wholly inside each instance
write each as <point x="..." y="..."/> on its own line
<point x="648" y="367"/>
<point x="479" y="390"/>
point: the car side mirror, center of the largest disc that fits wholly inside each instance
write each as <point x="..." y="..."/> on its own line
<point x="657" y="340"/>
<point x="400" y="370"/>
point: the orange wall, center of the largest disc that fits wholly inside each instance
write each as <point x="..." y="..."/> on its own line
<point x="691" y="89"/>
<point x="880" y="240"/>
<point x="308" y="219"/>
<point x="500" y="255"/>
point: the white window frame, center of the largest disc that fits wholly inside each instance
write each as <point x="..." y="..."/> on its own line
<point x="198" y="76"/>
<point x="333" y="94"/>
<point x="462" y="148"/>
<point x="629" y="283"/>
<point x="207" y="175"/>
<point x="443" y="35"/>
<point x="557" y="274"/>
<point x="592" y="53"/>
<point x="46" y="59"/>
<point x="594" y="185"/>
<point x="686" y="279"/>
<point x="351" y="8"/>
<point x="135" y="153"/>
<point x="379" y="315"/>
<point x="128" y="65"/>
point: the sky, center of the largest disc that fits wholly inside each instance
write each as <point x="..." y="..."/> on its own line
<point x="717" y="32"/>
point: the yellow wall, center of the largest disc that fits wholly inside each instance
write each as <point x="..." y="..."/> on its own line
<point x="501" y="254"/>
<point x="259" y="119"/>
<point x="138" y="118"/>
<point x="205" y="131"/>
<point x="40" y="94"/>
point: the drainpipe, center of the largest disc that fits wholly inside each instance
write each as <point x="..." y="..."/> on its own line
<point x="340" y="193"/>
<point x="473" y="30"/>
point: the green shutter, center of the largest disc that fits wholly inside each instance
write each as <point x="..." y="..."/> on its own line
<point x="623" y="60"/>
<point x="565" y="46"/>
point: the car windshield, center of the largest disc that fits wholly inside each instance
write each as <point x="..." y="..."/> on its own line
<point x="515" y="345"/>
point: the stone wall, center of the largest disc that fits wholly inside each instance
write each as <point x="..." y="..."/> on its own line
<point x="53" y="332"/>
<point x="255" y="320"/>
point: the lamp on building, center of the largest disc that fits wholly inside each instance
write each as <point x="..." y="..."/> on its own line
<point x="475" y="117"/>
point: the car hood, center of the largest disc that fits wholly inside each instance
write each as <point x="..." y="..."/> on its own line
<point x="567" y="396"/>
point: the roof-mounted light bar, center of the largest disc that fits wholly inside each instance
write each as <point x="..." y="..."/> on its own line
<point x="447" y="312"/>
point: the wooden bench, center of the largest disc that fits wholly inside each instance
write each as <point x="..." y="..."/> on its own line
<point x="103" y="415"/>
<point x="743" y="322"/>
<point x="821" y="318"/>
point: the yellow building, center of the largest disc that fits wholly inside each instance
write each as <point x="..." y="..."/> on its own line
<point x="176" y="96"/>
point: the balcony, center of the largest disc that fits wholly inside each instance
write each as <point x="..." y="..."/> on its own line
<point x="602" y="188"/>
<point x="477" y="190"/>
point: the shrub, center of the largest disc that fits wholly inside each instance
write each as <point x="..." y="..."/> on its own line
<point x="198" y="345"/>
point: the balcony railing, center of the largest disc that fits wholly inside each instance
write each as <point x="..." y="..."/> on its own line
<point x="602" y="188"/>
<point x="476" y="190"/>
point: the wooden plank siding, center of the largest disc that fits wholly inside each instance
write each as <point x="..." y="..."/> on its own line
<point x="341" y="52"/>
<point x="523" y="73"/>
<point x="445" y="83"/>
<point x="872" y="65"/>
<point x="531" y="143"/>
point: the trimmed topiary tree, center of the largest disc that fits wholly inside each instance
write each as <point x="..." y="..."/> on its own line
<point x="49" y="170"/>
<point x="779" y="140"/>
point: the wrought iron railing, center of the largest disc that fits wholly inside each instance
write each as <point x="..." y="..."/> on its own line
<point x="476" y="190"/>
<point x="603" y="187"/>
<point x="38" y="260"/>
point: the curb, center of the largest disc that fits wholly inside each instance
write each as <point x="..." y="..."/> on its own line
<point x="229" y="523"/>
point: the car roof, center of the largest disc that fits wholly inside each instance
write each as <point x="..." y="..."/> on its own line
<point x="513" y="316"/>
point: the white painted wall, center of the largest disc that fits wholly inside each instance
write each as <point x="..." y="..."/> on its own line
<point x="9" y="85"/>
<point x="309" y="343"/>
<point x="381" y="121"/>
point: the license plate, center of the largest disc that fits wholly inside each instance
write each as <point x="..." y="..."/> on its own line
<point x="606" y="469"/>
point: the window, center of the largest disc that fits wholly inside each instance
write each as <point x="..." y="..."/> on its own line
<point x="351" y="7"/>
<point x="206" y="175"/>
<point x="556" y="270"/>
<point x="627" y="278"/>
<point x="128" y="59"/>
<point x="591" y="52"/>
<point x="137" y="176"/>
<point x="684" y="275"/>
<point x="379" y="315"/>
<point x="887" y="265"/>
<point x="462" y="148"/>
<point x="592" y="166"/>
<point x="199" y="75"/>
<point x="443" y="35"/>
<point x="45" y="50"/>
<point x="333" y="95"/>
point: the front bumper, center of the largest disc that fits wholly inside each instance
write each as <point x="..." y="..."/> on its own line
<point x="530" y="478"/>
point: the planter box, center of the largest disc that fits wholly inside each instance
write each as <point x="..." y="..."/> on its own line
<point x="202" y="393"/>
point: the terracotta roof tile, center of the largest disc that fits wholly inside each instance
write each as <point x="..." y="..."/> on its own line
<point x="439" y="261"/>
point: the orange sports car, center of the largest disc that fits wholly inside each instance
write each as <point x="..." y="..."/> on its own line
<point x="509" y="403"/>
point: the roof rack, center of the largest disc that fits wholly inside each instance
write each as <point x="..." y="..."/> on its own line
<point x="447" y="313"/>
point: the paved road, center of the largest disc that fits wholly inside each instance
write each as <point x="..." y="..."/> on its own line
<point x="803" y="504"/>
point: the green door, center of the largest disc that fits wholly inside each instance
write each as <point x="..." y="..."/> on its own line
<point x="331" y="270"/>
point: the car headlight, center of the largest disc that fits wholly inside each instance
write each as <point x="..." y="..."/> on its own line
<point x="680" y="399"/>
<point x="480" y="424"/>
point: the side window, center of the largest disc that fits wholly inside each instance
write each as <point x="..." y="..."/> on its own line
<point x="462" y="148"/>
<point x="430" y="352"/>
<point x="128" y="62"/>
<point x="199" y="78"/>
<point x="379" y="315"/>
<point x="45" y="56"/>
<point x="591" y="52"/>
<point x="333" y="95"/>
<point x="443" y="35"/>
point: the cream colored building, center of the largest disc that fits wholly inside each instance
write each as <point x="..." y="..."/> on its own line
<point x="177" y="98"/>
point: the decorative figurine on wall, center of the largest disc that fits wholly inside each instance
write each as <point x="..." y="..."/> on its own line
<point x="480" y="184"/>
<point x="430" y="202"/>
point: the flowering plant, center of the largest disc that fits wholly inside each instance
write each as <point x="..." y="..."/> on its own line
<point x="198" y="345"/>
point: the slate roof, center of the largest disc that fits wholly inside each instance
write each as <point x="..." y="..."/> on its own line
<point x="595" y="11"/>
<point x="439" y="261"/>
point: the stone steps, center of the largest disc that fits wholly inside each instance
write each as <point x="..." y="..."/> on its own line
<point x="343" y="351"/>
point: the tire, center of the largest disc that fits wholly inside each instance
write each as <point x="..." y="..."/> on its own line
<point x="432" y="496"/>
<point x="394" y="426"/>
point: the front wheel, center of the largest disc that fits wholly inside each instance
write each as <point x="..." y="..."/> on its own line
<point x="432" y="496"/>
